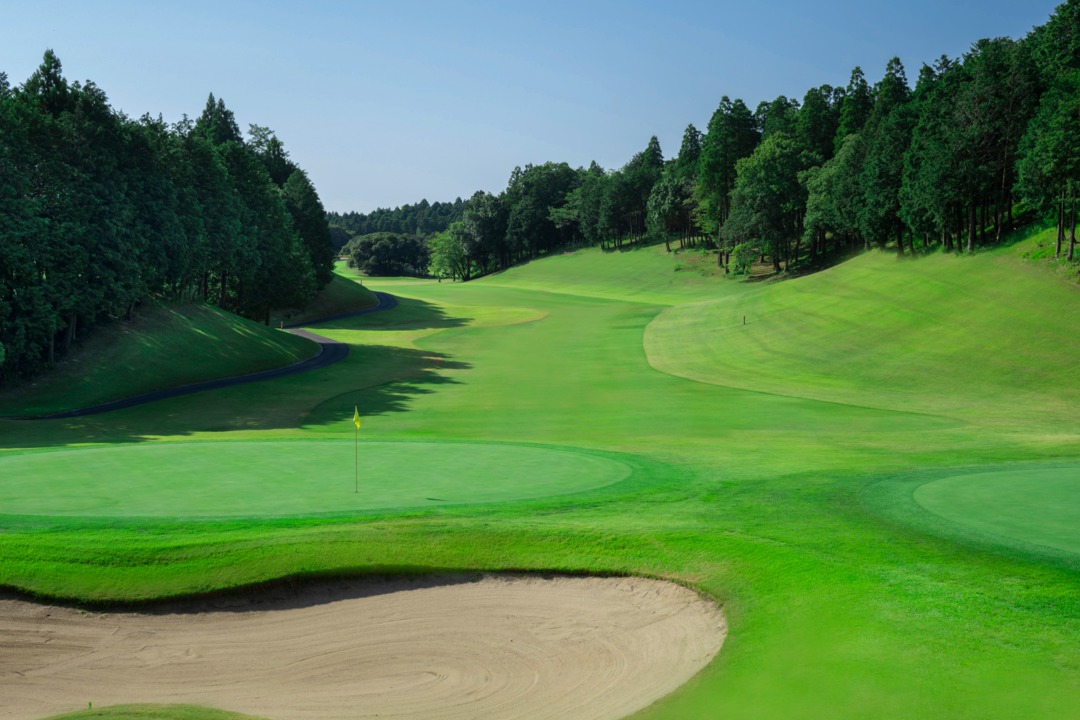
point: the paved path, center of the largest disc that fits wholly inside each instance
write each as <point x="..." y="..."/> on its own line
<point x="330" y="352"/>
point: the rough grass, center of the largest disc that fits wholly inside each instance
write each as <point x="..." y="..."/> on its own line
<point x="164" y="346"/>
<point x="845" y="600"/>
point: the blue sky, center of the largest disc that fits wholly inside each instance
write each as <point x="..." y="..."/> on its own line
<point x="385" y="103"/>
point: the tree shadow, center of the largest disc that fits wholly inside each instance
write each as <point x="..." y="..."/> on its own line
<point x="392" y="396"/>
<point x="409" y="314"/>
<point x="380" y="379"/>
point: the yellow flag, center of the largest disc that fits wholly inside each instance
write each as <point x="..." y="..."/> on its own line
<point x="356" y="417"/>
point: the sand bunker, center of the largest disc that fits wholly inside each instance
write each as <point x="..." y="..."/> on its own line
<point x="492" y="647"/>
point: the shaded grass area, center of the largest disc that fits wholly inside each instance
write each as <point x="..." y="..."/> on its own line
<point x="165" y="346"/>
<point x="339" y="297"/>
<point x="844" y="600"/>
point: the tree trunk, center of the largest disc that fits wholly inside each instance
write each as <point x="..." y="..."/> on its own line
<point x="1072" y="231"/>
<point x="982" y="224"/>
<point x="899" y="238"/>
<point x="1061" y="225"/>
<point x="69" y="336"/>
<point x="971" y="228"/>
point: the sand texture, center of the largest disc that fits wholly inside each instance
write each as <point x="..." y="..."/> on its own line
<point x="491" y="647"/>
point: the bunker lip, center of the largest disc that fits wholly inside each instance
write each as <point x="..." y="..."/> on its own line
<point x="457" y="646"/>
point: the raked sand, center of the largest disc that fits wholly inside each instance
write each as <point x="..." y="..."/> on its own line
<point x="491" y="647"/>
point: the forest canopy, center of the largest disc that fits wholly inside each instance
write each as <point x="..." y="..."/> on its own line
<point x="99" y="211"/>
<point x="938" y="162"/>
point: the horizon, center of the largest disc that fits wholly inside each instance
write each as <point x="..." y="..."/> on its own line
<point x="434" y="103"/>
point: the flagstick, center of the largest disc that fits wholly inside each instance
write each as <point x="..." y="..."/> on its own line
<point x="356" y="457"/>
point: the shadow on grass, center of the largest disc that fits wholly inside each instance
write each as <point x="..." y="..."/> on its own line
<point x="379" y="379"/>
<point x="409" y="314"/>
<point x="422" y="374"/>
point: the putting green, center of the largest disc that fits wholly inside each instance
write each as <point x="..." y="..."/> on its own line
<point x="1040" y="506"/>
<point x="289" y="478"/>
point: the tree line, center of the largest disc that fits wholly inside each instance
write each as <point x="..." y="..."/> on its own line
<point x="940" y="164"/>
<point x="99" y="211"/>
<point x="421" y="219"/>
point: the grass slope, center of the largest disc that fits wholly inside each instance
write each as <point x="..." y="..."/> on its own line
<point x="165" y="346"/>
<point x="845" y="599"/>
<point x="647" y="274"/>
<point x="339" y="297"/>
<point x="984" y="337"/>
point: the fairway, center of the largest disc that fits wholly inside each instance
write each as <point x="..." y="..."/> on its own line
<point x="1040" y="506"/>
<point x="289" y="478"/>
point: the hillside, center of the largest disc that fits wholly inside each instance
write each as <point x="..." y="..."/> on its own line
<point x="987" y="336"/>
<point x="165" y="346"/>
<point x="340" y="296"/>
<point x="646" y="274"/>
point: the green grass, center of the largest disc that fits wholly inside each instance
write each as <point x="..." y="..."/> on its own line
<point x="164" y="346"/>
<point x="1038" y="506"/>
<point x="984" y="338"/>
<point x="783" y="486"/>
<point x="340" y="296"/>
<point x="287" y="478"/>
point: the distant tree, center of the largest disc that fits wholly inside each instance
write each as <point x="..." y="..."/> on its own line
<point x="817" y="121"/>
<point x="888" y="135"/>
<point x="768" y="200"/>
<point x="581" y="210"/>
<point x="1055" y="45"/>
<point x="732" y="135"/>
<point x="930" y="200"/>
<point x="686" y="164"/>
<point x="309" y="222"/>
<point x="484" y="223"/>
<point x="778" y="116"/>
<point x="1049" y="168"/>
<point x="217" y="124"/>
<point x="530" y="198"/>
<point x="448" y="255"/>
<point x="271" y="151"/>
<point x="855" y="107"/>
<point x="834" y="199"/>
<point x="388" y="255"/>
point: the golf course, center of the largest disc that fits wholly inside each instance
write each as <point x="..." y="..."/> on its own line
<point x="873" y="471"/>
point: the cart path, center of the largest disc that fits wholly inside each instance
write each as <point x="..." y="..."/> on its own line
<point x="330" y="352"/>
